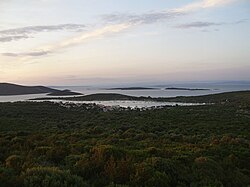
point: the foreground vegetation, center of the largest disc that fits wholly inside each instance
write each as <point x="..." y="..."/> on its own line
<point x="48" y="144"/>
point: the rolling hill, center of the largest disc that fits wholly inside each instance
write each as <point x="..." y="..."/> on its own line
<point x="14" y="89"/>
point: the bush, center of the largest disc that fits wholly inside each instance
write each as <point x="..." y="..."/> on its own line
<point x="51" y="177"/>
<point x="15" y="162"/>
<point x="8" y="177"/>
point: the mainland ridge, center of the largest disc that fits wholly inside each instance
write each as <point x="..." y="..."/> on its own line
<point x="8" y="89"/>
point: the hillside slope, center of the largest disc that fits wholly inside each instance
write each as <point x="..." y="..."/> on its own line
<point x="14" y="89"/>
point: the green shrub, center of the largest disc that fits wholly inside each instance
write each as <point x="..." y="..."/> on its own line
<point x="51" y="177"/>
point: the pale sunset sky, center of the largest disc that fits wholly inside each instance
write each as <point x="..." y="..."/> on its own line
<point x="84" y="42"/>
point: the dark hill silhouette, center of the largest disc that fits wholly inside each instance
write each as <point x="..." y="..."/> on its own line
<point x="14" y="89"/>
<point x="132" y="88"/>
<point x="64" y="93"/>
<point x="187" y="89"/>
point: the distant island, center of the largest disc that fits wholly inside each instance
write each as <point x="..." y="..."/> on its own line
<point x="64" y="93"/>
<point x="132" y="88"/>
<point x="187" y="89"/>
<point x="8" y="89"/>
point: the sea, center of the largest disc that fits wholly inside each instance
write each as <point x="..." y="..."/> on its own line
<point x="158" y="91"/>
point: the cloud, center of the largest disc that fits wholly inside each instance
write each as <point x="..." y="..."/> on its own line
<point x="30" y="54"/>
<point x="147" y="18"/>
<point x="240" y="21"/>
<point x="12" y="38"/>
<point x="27" y="32"/>
<point x="36" y="29"/>
<point x="116" y="23"/>
<point x="152" y="17"/>
<point x="198" y="25"/>
<point x="205" y="4"/>
<point x="72" y="41"/>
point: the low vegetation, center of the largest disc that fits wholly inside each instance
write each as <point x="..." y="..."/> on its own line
<point x="49" y="144"/>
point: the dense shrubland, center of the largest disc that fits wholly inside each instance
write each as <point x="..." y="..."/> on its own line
<point x="45" y="144"/>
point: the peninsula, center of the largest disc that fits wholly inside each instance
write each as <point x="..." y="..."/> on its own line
<point x="187" y="89"/>
<point x="8" y="89"/>
<point x="132" y="88"/>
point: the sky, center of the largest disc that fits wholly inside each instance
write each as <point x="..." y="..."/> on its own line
<point x="88" y="42"/>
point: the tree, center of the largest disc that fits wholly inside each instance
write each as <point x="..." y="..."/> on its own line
<point x="15" y="162"/>
<point x="51" y="177"/>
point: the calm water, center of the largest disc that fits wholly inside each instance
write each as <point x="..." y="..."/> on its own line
<point x="161" y="92"/>
<point x="158" y="92"/>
